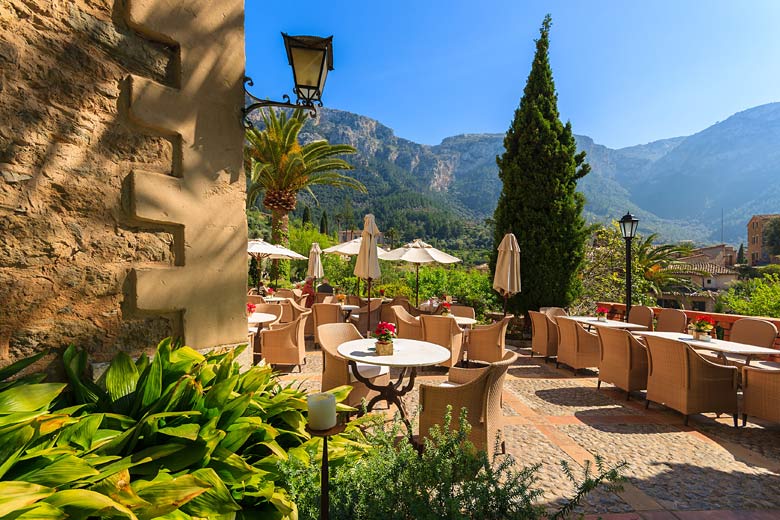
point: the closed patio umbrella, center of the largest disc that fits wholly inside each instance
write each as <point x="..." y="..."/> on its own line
<point x="419" y="252"/>
<point x="507" y="278"/>
<point x="367" y="265"/>
<point x="315" y="263"/>
<point x="349" y="248"/>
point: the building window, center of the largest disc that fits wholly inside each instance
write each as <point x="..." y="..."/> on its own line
<point x="709" y="281"/>
<point x="699" y="306"/>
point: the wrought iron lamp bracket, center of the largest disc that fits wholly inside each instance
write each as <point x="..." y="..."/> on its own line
<point x="258" y="103"/>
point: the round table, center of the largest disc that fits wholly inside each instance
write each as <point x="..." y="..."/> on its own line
<point x="260" y="317"/>
<point x="408" y="354"/>
<point x="464" y="321"/>
<point x="273" y="299"/>
<point x="348" y="309"/>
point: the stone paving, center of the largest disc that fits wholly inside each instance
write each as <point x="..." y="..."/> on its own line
<point x="707" y="470"/>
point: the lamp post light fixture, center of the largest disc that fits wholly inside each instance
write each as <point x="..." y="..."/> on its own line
<point x="628" y="226"/>
<point x="310" y="57"/>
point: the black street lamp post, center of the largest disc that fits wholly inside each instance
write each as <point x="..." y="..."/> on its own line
<point x="310" y="57"/>
<point x="628" y="226"/>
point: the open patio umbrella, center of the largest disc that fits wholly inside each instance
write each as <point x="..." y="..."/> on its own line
<point x="260" y="249"/>
<point x="418" y="252"/>
<point x="349" y="248"/>
<point x="367" y="265"/>
<point x="315" y="263"/>
<point x="507" y="278"/>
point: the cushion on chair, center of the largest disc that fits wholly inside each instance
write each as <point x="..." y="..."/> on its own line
<point x="448" y="384"/>
<point x="368" y="371"/>
<point x="766" y="365"/>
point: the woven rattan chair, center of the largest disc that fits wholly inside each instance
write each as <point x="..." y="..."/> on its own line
<point x="488" y="342"/>
<point x="671" y="320"/>
<point x="760" y="394"/>
<point x="463" y="311"/>
<point x="335" y="368"/>
<point x="678" y="377"/>
<point x="386" y="313"/>
<point x="444" y="331"/>
<point x="750" y="331"/>
<point x="544" y="335"/>
<point x="354" y="300"/>
<point x="477" y="390"/>
<point x="641" y="315"/>
<point x="330" y="299"/>
<point x="408" y="326"/>
<point x="361" y="321"/>
<point x="285" y="293"/>
<point x="283" y="344"/>
<point x="254" y="298"/>
<point x="577" y="347"/>
<point x="323" y="313"/>
<point x="319" y="297"/>
<point x="623" y="360"/>
<point x="554" y="312"/>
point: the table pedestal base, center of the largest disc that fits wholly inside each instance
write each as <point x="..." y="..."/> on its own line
<point x="390" y="393"/>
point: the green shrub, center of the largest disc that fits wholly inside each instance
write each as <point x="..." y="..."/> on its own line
<point x="754" y="297"/>
<point x="449" y="480"/>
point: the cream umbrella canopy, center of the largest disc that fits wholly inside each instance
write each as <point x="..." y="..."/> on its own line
<point x="260" y="249"/>
<point x="419" y="252"/>
<point x="367" y="265"/>
<point x="349" y="248"/>
<point x="315" y="263"/>
<point x="507" y="278"/>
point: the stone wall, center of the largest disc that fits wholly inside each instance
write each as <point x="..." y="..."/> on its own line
<point x="120" y="161"/>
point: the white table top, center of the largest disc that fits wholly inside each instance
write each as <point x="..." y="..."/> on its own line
<point x="464" y="321"/>
<point x="612" y="324"/>
<point x="260" y="317"/>
<point x="406" y="353"/>
<point x="347" y="307"/>
<point x="718" y="345"/>
<point x="274" y="299"/>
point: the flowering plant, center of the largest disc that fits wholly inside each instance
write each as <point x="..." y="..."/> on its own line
<point x="384" y="331"/>
<point x="601" y="311"/>
<point x="703" y="323"/>
<point x="341" y="298"/>
<point x="381" y="292"/>
<point x="250" y="308"/>
<point x="270" y="290"/>
<point x="446" y="305"/>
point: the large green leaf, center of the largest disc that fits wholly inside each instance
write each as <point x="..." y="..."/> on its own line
<point x="185" y="431"/>
<point x="81" y="504"/>
<point x="218" y="395"/>
<point x="121" y="379"/>
<point x="167" y="496"/>
<point x="82" y="433"/>
<point x="215" y="501"/>
<point x="55" y="471"/>
<point x="150" y="386"/>
<point x="39" y="511"/>
<point x="16" y="495"/>
<point x="29" y="398"/>
<point x="12" y="446"/>
<point x="20" y="365"/>
<point x="117" y="487"/>
<point x="84" y="389"/>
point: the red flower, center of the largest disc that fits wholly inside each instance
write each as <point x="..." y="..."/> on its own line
<point x="602" y="311"/>
<point x="384" y="331"/>
<point x="270" y="290"/>
<point x="250" y="308"/>
<point x="381" y="292"/>
<point x="703" y="323"/>
<point x="446" y="305"/>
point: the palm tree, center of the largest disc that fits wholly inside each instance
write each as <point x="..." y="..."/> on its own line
<point x="281" y="167"/>
<point x="658" y="264"/>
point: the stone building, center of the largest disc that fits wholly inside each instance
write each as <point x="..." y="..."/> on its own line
<point x="121" y="178"/>
<point x="757" y="253"/>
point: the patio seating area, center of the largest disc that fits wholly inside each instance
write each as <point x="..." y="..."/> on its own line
<point x="675" y="471"/>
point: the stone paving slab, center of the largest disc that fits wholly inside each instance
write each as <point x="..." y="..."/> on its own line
<point x="707" y="470"/>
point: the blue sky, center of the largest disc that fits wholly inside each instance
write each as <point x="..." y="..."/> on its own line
<point x="627" y="72"/>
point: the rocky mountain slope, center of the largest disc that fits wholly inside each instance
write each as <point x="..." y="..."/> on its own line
<point x="677" y="186"/>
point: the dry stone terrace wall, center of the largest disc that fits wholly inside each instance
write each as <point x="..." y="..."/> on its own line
<point x="97" y="97"/>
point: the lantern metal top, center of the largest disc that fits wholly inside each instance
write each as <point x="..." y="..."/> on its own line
<point x="628" y="225"/>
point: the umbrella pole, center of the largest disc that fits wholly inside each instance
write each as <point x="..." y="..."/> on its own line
<point x="505" y="299"/>
<point x="417" y="287"/>
<point x="368" y="311"/>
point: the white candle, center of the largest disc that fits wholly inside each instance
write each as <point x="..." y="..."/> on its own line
<point x="322" y="411"/>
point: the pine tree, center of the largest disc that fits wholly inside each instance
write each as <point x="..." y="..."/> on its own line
<point x="741" y="254"/>
<point x="539" y="202"/>
<point x="324" y="223"/>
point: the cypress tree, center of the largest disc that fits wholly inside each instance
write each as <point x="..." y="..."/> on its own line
<point x="741" y="254"/>
<point x="324" y="223"/>
<point x="539" y="202"/>
<point x="306" y="218"/>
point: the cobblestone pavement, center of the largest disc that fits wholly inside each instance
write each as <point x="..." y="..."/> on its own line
<point x="707" y="470"/>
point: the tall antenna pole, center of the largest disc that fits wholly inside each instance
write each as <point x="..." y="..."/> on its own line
<point x="721" y="225"/>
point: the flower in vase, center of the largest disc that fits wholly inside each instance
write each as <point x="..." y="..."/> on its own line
<point x="703" y="323"/>
<point x="601" y="312"/>
<point x="250" y="308"/>
<point x="385" y="331"/>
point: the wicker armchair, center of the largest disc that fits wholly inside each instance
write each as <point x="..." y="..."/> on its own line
<point x="477" y="390"/>
<point x="577" y="347"/>
<point x="641" y="315"/>
<point x="255" y="298"/>
<point x="544" y="335"/>
<point x="283" y="344"/>
<point x="408" y="326"/>
<point x="671" y="320"/>
<point x="554" y="312"/>
<point x="488" y="342"/>
<point x="354" y="300"/>
<point x="623" y="360"/>
<point x="330" y="299"/>
<point x="760" y="394"/>
<point x="681" y="379"/>
<point x="285" y="293"/>
<point x="463" y="311"/>
<point x="444" y="331"/>
<point x="750" y="331"/>
<point x="323" y="313"/>
<point x="335" y="368"/>
<point x="361" y="321"/>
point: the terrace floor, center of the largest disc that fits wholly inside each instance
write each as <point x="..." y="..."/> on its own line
<point x="707" y="470"/>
